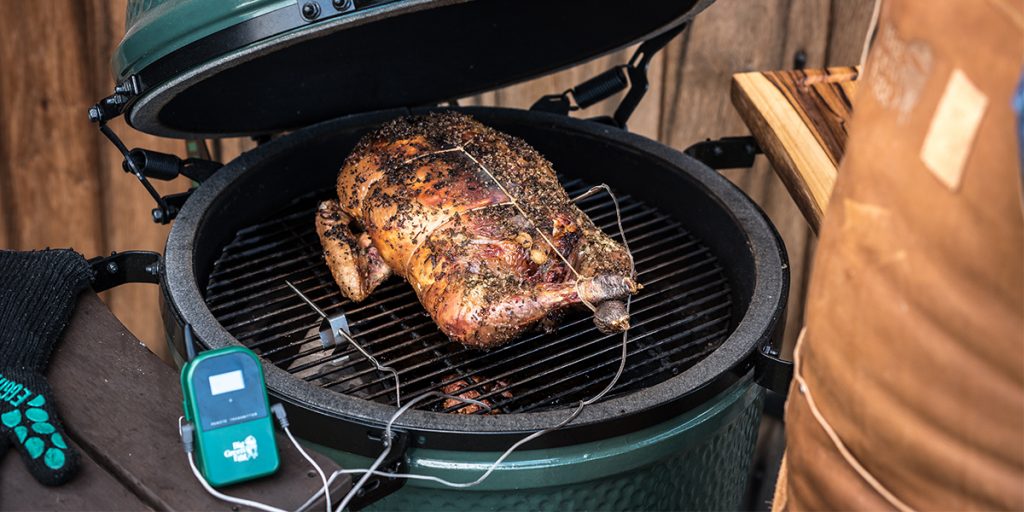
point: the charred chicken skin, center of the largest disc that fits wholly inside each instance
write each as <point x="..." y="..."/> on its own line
<point x="471" y="218"/>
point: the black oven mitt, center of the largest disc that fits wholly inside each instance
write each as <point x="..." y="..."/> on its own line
<point x="38" y="291"/>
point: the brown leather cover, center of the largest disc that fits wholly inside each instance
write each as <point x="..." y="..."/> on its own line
<point x="913" y="352"/>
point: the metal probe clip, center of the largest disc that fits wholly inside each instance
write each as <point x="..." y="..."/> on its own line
<point x="337" y="324"/>
<point x="330" y="326"/>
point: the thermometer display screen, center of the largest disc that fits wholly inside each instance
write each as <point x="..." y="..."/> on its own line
<point x="226" y="382"/>
<point x="227" y="390"/>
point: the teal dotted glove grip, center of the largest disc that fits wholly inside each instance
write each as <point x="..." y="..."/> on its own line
<point x="29" y="421"/>
<point x="38" y="291"/>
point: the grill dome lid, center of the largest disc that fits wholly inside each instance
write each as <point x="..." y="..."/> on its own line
<point x="246" y="67"/>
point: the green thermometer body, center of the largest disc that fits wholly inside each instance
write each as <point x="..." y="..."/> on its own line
<point x="226" y="401"/>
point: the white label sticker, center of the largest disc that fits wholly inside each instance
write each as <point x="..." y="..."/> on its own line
<point x="952" y="130"/>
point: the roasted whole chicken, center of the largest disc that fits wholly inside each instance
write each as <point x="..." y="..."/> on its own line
<point x="471" y="218"/>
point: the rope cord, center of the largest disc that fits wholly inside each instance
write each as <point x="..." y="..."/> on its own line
<point x="373" y="469"/>
<point x="515" y="203"/>
<point x="805" y="391"/>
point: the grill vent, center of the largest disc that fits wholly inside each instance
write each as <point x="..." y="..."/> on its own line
<point x="682" y="314"/>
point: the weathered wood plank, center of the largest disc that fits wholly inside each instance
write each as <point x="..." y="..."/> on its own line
<point x="92" y="489"/>
<point x="799" y="119"/>
<point x="806" y="33"/>
<point x="226" y="150"/>
<point x="731" y="36"/>
<point x="848" y="31"/>
<point x="51" y="189"/>
<point x="5" y="217"/>
<point x="125" y="213"/>
<point x="121" y="405"/>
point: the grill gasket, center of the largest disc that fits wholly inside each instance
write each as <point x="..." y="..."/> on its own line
<point x="683" y="314"/>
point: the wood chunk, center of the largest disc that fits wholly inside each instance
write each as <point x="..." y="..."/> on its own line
<point x="799" y="119"/>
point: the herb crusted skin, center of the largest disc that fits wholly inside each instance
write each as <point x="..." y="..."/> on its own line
<point x="421" y="195"/>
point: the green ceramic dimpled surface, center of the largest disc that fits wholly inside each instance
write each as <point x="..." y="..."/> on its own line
<point x="698" y="461"/>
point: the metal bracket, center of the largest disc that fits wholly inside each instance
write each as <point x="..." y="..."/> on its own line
<point x="174" y="203"/>
<point x="772" y="372"/>
<point x="378" y="487"/>
<point x="726" y="153"/>
<point x="632" y="75"/>
<point x="637" y="71"/>
<point x="125" y="267"/>
<point x="145" y="164"/>
<point x="112" y="106"/>
<point x="329" y="328"/>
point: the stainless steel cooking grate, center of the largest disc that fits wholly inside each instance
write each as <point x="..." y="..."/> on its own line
<point x="682" y="314"/>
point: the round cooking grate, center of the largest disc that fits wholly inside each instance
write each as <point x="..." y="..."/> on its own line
<point x="682" y="314"/>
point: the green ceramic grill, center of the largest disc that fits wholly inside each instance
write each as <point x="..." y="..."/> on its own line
<point x="308" y="78"/>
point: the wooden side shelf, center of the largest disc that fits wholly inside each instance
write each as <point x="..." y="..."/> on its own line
<point x="799" y="119"/>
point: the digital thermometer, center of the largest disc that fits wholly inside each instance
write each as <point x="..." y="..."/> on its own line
<point x="226" y="402"/>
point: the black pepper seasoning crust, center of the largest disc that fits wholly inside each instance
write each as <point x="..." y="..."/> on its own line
<point x="441" y="222"/>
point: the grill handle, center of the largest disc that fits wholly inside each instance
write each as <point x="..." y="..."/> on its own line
<point x="125" y="267"/>
<point x="605" y="85"/>
<point x="772" y="372"/>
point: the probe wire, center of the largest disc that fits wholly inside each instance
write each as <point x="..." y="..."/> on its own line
<point x="494" y="465"/>
<point x="387" y="447"/>
<point x="323" y="478"/>
<point x="515" y="203"/>
<point x="224" y="497"/>
<point x="373" y="469"/>
<point x="367" y="355"/>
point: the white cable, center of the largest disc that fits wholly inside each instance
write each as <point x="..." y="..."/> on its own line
<point x="326" y="490"/>
<point x="323" y="478"/>
<point x="311" y="499"/>
<point x="388" y="437"/>
<point x="372" y="470"/>
<point x="387" y="450"/>
<point x="225" y="497"/>
<point x="367" y="355"/>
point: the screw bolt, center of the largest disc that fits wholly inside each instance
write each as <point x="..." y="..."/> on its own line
<point x="799" y="59"/>
<point x="310" y="11"/>
<point x="341" y="5"/>
<point x="112" y="267"/>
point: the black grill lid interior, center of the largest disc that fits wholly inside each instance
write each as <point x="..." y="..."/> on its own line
<point x="399" y="54"/>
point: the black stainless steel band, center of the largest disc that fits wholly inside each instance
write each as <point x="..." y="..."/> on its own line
<point x="125" y="267"/>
